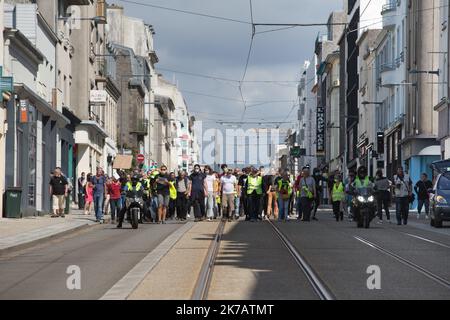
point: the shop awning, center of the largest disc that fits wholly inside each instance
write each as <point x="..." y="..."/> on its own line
<point x="123" y="162"/>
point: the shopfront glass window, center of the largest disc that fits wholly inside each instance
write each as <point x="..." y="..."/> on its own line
<point x="32" y="144"/>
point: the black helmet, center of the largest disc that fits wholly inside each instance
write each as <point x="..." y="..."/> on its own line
<point x="362" y="170"/>
<point x="135" y="179"/>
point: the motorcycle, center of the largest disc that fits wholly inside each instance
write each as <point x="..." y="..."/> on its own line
<point x="135" y="205"/>
<point x="364" y="207"/>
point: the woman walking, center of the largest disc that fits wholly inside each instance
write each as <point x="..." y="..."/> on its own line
<point x="115" y="201"/>
<point x="210" y="181"/>
<point x="89" y="195"/>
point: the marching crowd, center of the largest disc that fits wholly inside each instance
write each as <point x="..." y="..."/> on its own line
<point x="233" y="193"/>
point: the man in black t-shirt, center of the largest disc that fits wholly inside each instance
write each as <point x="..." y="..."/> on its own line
<point x="163" y="193"/>
<point x="59" y="188"/>
<point x="81" y="191"/>
<point x="242" y="192"/>
<point x="422" y="186"/>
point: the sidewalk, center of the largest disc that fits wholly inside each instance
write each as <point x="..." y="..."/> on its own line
<point x="21" y="233"/>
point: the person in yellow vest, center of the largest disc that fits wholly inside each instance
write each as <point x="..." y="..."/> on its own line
<point x="284" y="193"/>
<point x="307" y="193"/>
<point x="338" y="197"/>
<point x="254" y="187"/>
<point x="133" y="187"/>
<point x="146" y="183"/>
<point x="172" y="196"/>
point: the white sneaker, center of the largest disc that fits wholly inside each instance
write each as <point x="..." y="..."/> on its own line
<point x="188" y="215"/>
<point x="427" y="217"/>
<point x="418" y="216"/>
<point x="380" y="222"/>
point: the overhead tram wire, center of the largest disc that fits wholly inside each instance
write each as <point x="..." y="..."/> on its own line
<point x="213" y="77"/>
<point x="233" y="99"/>
<point x="186" y="12"/>
<point x="248" y="60"/>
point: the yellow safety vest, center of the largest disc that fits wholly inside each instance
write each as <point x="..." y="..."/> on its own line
<point x="338" y="193"/>
<point x="360" y="185"/>
<point x="172" y="190"/>
<point x="254" y="183"/>
<point x="308" y="192"/>
<point x="280" y="184"/>
<point x="130" y="186"/>
<point x="154" y="174"/>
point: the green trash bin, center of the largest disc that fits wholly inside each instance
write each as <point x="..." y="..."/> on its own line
<point x="13" y="201"/>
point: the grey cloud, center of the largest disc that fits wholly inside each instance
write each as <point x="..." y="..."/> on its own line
<point x="201" y="45"/>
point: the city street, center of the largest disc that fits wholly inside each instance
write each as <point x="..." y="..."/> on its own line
<point x="196" y="120"/>
<point x="252" y="262"/>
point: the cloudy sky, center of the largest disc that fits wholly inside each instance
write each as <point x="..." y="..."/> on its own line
<point x="201" y="45"/>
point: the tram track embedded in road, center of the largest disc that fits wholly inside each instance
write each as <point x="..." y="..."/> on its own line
<point x="322" y="291"/>
<point x="406" y="262"/>
<point x="204" y="280"/>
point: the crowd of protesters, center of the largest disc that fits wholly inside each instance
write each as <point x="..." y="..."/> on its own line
<point x="230" y="194"/>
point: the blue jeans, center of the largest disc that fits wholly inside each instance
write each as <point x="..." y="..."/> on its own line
<point x="283" y="208"/>
<point x="98" y="206"/>
<point x="425" y="202"/>
<point x="237" y="204"/>
<point x="402" y="209"/>
<point x="116" y="206"/>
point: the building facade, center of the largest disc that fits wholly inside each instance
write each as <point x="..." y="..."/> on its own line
<point x="419" y="145"/>
<point x="442" y="106"/>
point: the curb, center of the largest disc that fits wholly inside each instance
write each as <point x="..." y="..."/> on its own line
<point x="32" y="243"/>
<point x="128" y="284"/>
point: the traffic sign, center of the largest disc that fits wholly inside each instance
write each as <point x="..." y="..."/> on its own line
<point x="297" y="152"/>
<point x="140" y="158"/>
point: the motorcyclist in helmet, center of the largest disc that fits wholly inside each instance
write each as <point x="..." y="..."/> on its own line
<point x="362" y="180"/>
<point x="132" y="188"/>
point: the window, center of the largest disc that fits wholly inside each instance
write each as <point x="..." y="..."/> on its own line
<point x="32" y="145"/>
<point x="19" y="157"/>
<point x="444" y="183"/>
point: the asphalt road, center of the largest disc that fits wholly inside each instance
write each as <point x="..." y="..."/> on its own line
<point x="341" y="260"/>
<point x="104" y="255"/>
<point x="252" y="262"/>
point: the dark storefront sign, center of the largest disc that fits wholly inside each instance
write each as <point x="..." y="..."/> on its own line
<point x="320" y="130"/>
<point x="393" y="155"/>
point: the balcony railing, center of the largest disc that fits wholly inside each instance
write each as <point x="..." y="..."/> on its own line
<point x="389" y="7"/>
<point x="140" y="127"/>
<point x="390" y="66"/>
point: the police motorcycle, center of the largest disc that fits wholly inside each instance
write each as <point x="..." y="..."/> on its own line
<point x="364" y="204"/>
<point x="134" y="201"/>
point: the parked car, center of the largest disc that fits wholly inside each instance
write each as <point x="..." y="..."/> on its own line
<point x="440" y="194"/>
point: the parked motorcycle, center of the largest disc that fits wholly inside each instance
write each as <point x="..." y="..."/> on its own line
<point x="364" y="207"/>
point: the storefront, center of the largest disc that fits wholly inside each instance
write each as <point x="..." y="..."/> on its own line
<point x="393" y="151"/>
<point x="31" y="148"/>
